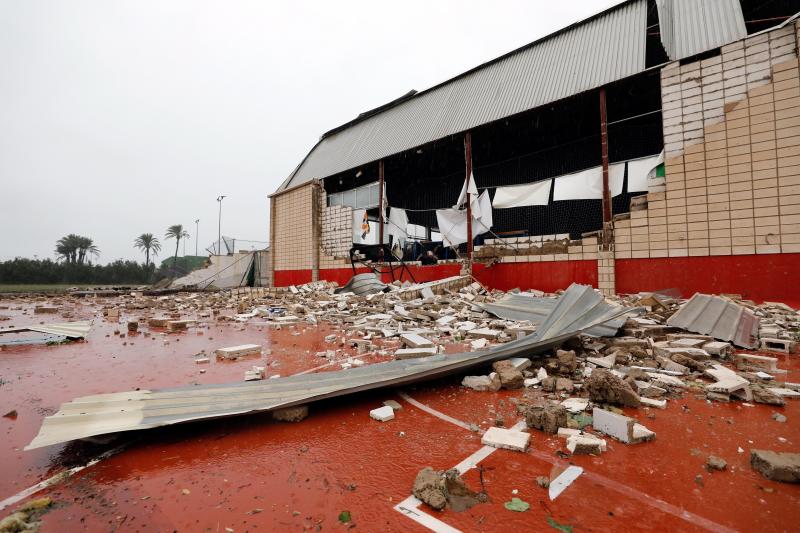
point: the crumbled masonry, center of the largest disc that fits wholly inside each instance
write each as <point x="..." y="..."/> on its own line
<point x="441" y="489"/>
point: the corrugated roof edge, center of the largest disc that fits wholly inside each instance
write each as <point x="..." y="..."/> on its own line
<point x="363" y="116"/>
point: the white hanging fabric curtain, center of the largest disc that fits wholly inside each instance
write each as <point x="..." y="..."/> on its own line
<point x="473" y="190"/>
<point x="640" y="169"/>
<point x="537" y="193"/>
<point x="584" y="185"/>
<point x="452" y="225"/>
<point x="482" y="219"/>
<point x="616" y="178"/>
<point x="453" y="222"/>
<point x="398" y="225"/>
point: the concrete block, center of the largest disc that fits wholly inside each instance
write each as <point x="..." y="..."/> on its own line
<point x="778" y="345"/>
<point x="506" y="438"/>
<point x="412" y="340"/>
<point x="652" y="402"/>
<point x="413" y="353"/>
<point x="234" y="352"/>
<point x="484" y="333"/>
<point x="382" y="414"/>
<point x="620" y="427"/>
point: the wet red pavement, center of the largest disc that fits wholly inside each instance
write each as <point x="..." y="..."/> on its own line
<point x="251" y="473"/>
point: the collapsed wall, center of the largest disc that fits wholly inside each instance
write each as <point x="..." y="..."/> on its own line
<point x="726" y="218"/>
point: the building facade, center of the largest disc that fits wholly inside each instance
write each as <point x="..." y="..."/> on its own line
<point x="722" y="106"/>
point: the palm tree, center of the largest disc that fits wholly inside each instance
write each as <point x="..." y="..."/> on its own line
<point x="176" y="232"/>
<point x="86" y="246"/>
<point x="147" y="242"/>
<point x="67" y="248"/>
<point x="73" y="248"/>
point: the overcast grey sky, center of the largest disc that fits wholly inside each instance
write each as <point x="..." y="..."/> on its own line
<point x="124" y="117"/>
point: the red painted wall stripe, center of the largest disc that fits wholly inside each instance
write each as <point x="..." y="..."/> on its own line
<point x="548" y="276"/>
<point x="756" y="277"/>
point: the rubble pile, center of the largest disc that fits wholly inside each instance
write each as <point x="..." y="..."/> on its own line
<point x="576" y="392"/>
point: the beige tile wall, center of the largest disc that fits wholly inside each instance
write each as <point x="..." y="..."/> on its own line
<point x="292" y="235"/>
<point x="732" y="143"/>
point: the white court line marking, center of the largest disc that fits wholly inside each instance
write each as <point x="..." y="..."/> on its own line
<point x="11" y="500"/>
<point x="564" y="480"/>
<point x="625" y="490"/>
<point x="434" y="412"/>
<point x="410" y="508"/>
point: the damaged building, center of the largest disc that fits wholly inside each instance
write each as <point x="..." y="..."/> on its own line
<point x="653" y="145"/>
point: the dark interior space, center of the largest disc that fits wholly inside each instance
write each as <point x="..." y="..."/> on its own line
<point x="550" y="141"/>
<point x="762" y="14"/>
<point x="654" y="50"/>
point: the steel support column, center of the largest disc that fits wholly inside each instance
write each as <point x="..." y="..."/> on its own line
<point x="468" y="157"/>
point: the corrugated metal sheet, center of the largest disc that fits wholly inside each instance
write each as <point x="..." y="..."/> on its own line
<point x="536" y="310"/>
<point x="689" y="27"/>
<point x="580" y="307"/>
<point x="584" y="56"/>
<point x="71" y="330"/>
<point x="719" y="317"/>
<point x="366" y="283"/>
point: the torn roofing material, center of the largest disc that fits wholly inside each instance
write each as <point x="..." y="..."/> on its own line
<point x="71" y="330"/>
<point x="719" y="317"/>
<point x="535" y="310"/>
<point x="577" y="310"/>
<point x="366" y="283"/>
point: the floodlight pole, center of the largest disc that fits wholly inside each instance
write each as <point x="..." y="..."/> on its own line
<point x="196" y="235"/>
<point x="219" y="225"/>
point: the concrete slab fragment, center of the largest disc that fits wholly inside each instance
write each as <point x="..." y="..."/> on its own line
<point x="382" y="414"/>
<point x="506" y="438"/>
<point x="412" y="340"/>
<point x="413" y="353"/>
<point x="233" y="352"/>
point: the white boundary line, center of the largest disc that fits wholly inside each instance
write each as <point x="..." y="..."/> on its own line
<point x="410" y="506"/>
<point x="11" y="500"/>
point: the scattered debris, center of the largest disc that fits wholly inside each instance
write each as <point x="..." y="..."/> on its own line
<point x="620" y="427"/>
<point x="517" y="505"/>
<point x="715" y="463"/>
<point x="777" y="466"/>
<point x="547" y="417"/>
<point x="506" y="438"/>
<point x="441" y="489"/>
<point x="291" y="414"/>
<point x="235" y="352"/>
<point x="482" y="383"/>
<point x="382" y="414"/>
<point x="26" y="518"/>
<point x="720" y="317"/>
<point x="605" y="387"/>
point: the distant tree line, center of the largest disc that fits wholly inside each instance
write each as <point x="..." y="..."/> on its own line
<point x="21" y="270"/>
<point x="72" y="264"/>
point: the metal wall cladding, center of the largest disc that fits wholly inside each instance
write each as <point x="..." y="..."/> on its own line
<point x="719" y="317"/>
<point x="689" y="27"/>
<point x="584" y="56"/>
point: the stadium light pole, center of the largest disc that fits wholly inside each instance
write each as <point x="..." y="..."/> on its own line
<point x="219" y="225"/>
<point x="196" y="235"/>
